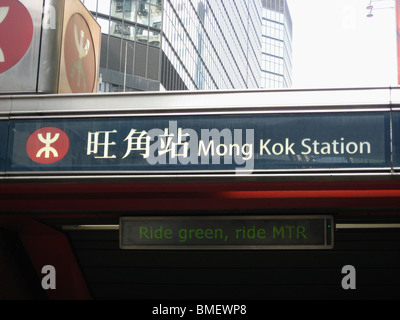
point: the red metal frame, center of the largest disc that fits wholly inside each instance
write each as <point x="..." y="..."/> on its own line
<point x="116" y="197"/>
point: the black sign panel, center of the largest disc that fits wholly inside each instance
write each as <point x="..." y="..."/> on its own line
<point x="240" y="144"/>
<point x="396" y="139"/>
<point x="233" y="232"/>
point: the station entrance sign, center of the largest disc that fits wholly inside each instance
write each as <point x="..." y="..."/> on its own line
<point x="204" y="144"/>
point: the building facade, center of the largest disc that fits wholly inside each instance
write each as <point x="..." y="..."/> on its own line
<point x="186" y="45"/>
<point x="212" y="44"/>
<point x="276" y="59"/>
<point x="130" y="56"/>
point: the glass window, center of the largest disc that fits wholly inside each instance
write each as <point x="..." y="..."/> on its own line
<point x="119" y="29"/>
<point x="124" y="9"/>
<point x="123" y="5"/>
<point x="130" y="11"/>
<point x="155" y="38"/>
<point x="104" y="6"/>
<point x="90" y="5"/>
<point x="142" y="35"/>
<point x="143" y="13"/>
<point x="156" y="2"/>
<point x="117" y="8"/>
<point x="155" y="17"/>
<point x="129" y="32"/>
<point x="104" y="24"/>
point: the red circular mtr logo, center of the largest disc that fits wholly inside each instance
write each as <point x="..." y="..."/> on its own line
<point x="16" y="32"/>
<point x="47" y="145"/>
<point x="80" y="59"/>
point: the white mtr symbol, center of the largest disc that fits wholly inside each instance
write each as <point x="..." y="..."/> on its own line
<point x="3" y="14"/>
<point x="83" y="52"/>
<point x="47" y="142"/>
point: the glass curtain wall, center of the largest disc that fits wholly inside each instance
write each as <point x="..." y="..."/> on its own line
<point x="276" y="44"/>
<point x="131" y="39"/>
<point x="181" y="44"/>
<point x="212" y="44"/>
<point x="129" y="19"/>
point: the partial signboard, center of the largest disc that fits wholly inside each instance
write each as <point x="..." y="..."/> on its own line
<point x="20" y="26"/>
<point x="80" y="50"/>
<point x="11" y="51"/>
<point x="49" y="46"/>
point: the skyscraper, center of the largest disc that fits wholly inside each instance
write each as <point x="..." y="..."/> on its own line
<point x="179" y="44"/>
<point x="211" y="44"/>
<point x="276" y="59"/>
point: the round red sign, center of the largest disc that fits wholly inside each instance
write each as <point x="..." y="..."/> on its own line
<point x="16" y="32"/>
<point x="47" y="145"/>
<point x="80" y="62"/>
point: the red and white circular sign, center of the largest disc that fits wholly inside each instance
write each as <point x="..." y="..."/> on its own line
<point x="16" y="32"/>
<point x="47" y="145"/>
<point x="79" y="54"/>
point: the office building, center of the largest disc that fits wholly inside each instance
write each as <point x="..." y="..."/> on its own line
<point x="130" y="56"/>
<point x="193" y="44"/>
<point x="178" y="45"/>
<point x="276" y="57"/>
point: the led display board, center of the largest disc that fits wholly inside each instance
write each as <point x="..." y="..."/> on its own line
<point x="227" y="232"/>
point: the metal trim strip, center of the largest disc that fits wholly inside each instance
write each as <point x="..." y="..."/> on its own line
<point x="367" y="226"/>
<point x="235" y="173"/>
<point x="283" y="100"/>
<point x="158" y="112"/>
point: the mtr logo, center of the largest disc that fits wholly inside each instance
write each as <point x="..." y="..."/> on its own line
<point x="79" y="54"/>
<point x="16" y="32"/>
<point x="47" y="145"/>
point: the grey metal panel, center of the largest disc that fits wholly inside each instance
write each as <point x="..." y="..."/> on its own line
<point x="5" y="105"/>
<point x="395" y="96"/>
<point x="22" y="78"/>
<point x="137" y="83"/>
<point x="49" y="67"/>
<point x="104" y="51"/>
<point x="153" y="63"/>
<point x="140" y="60"/>
<point x="114" y="57"/>
<point x="206" y="101"/>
